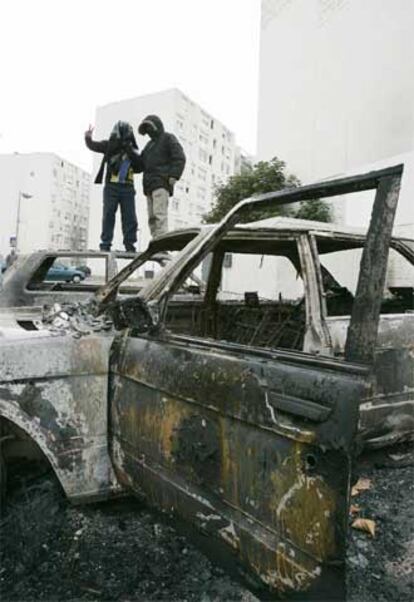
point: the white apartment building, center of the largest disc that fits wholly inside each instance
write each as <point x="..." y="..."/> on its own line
<point x="44" y="203"/>
<point x="337" y="93"/>
<point x="210" y="148"/>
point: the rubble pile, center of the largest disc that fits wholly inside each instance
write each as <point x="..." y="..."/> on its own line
<point x="77" y="319"/>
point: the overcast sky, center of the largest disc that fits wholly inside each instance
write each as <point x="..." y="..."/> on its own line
<point x="60" y="59"/>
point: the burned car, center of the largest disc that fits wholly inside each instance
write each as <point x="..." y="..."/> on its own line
<point x="50" y="276"/>
<point x="236" y="411"/>
<point x="37" y="279"/>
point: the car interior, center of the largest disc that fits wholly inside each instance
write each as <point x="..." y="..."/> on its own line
<point x="255" y="294"/>
<point x="264" y="308"/>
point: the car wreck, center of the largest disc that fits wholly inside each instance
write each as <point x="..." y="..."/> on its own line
<point x="240" y="415"/>
<point x="31" y="281"/>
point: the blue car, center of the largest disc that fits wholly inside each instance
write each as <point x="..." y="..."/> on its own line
<point x="63" y="273"/>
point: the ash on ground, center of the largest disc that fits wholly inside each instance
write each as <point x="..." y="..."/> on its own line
<point x="122" y="551"/>
<point x="381" y="568"/>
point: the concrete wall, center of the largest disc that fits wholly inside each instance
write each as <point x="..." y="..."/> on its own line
<point x="337" y="91"/>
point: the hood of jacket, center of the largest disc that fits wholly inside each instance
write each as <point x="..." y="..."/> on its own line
<point x="152" y="121"/>
<point x="122" y="134"/>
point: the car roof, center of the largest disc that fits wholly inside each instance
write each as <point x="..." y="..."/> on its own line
<point x="177" y="239"/>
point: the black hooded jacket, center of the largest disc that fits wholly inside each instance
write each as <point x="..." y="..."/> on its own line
<point x="162" y="158"/>
<point x="121" y="141"/>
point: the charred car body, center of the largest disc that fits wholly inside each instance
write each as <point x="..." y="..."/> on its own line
<point x="239" y="415"/>
<point x="30" y="281"/>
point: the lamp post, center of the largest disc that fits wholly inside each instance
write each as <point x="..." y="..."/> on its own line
<point x="22" y="195"/>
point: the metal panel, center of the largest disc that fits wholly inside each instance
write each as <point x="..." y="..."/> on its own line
<point x="253" y="449"/>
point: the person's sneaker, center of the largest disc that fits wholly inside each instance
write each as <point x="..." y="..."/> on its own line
<point x="104" y="248"/>
<point x="130" y="248"/>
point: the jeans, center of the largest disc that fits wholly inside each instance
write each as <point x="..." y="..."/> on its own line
<point x="123" y="195"/>
<point x="157" y="203"/>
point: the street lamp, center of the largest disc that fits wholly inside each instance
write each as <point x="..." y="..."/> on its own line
<point x="22" y="195"/>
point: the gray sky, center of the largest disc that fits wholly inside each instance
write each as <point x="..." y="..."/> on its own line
<point x="61" y="58"/>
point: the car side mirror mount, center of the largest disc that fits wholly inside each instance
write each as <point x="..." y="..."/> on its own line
<point x="131" y="313"/>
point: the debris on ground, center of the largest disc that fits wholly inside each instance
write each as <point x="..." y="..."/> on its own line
<point x="361" y="485"/>
<point x="364" y="524"/>
<point x="381" y="569"/>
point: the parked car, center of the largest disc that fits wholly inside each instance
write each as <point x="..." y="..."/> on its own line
<point x="85" y="269"/>
<point x="63" y="273"/>
<point x="237" y="411"/>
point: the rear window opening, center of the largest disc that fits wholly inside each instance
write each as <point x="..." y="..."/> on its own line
<point x="340" y="270"/>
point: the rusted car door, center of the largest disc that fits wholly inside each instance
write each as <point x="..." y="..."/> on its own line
<point x="251" y="446"/>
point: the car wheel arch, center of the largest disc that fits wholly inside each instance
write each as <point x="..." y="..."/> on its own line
<point x="36" y="435"/>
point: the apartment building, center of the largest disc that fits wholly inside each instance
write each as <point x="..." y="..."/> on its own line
<point x="45" y="203"/>
<point x="210" y="147"/>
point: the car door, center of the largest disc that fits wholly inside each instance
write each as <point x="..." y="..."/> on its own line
<point x="250" y="446"/>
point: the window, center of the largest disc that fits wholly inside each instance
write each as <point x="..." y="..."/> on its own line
<point x="202" y="174"/>
<point x="206" y="121"/>
<point x="228" y="260"/>
<point x="340" y="271"/>
<point x="151" y="268"/>
<point x="67" y="272"/>
<point x="257" y="299"/>
<point x="270" y="277"/>
<point x="202" y="155"/>
<point x="203" y="139"/>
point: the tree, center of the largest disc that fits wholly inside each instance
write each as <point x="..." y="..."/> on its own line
<point x="316" y="210"/>
<point x="264" y="176"/>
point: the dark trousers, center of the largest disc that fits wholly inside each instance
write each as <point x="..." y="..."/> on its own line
<point x="123" y="195"/>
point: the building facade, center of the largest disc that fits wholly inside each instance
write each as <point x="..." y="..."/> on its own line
<point x="45" y="203"/>
<point x="210" y="148"/>
<point x="337" y="93"/>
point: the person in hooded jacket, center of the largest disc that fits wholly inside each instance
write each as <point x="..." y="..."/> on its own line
<point x="163" y="162"/>
<point x="122" y="160"/>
